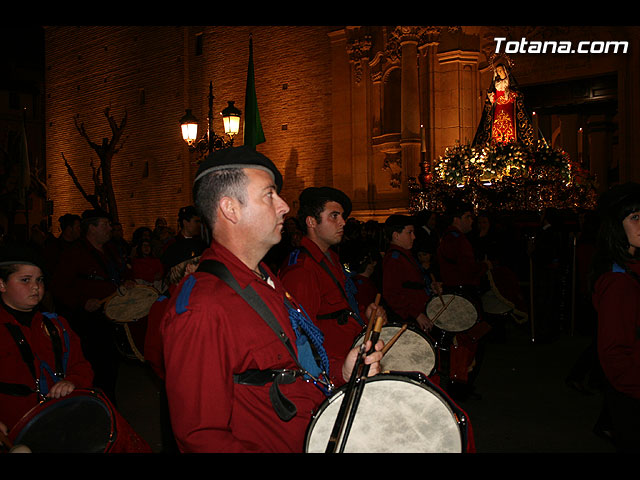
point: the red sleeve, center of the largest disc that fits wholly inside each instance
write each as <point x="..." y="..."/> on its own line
<point x="618" y="306"/>
<point x="153" y="340"/>
<point x="193" y="359"/>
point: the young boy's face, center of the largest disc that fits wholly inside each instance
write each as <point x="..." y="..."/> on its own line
<point x="24" y="289"/>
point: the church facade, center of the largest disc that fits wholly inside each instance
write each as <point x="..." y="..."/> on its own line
<point x="364" y="109"/>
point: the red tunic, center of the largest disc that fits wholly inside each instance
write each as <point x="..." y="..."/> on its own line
<point x="458" y="265"/>
<point x="617" y="301"/>
<point x="14" y="370"/>
<point x="153" y="339"/>
<point x="401" y="277"/>
<point x="148" y="269"/>
<point x="319" y="295"/>
<point x="87" y="273"/>
<point x="209" y="334"/>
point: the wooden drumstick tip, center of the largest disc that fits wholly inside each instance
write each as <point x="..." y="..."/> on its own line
<point x="433" y="280"/>
<point x="394" y="339"/>
<point x="370" y="323"/>
<point x="379" y="323"/>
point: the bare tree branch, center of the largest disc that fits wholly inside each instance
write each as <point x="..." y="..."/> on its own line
<point x="91" y="199"/>
<point x="103" y="185"/>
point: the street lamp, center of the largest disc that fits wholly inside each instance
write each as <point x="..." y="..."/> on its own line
<point x="210" y="141"/>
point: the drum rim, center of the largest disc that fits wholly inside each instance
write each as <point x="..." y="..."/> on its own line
<point x="398" y="325"/>
<point x="416" y="378"/>
<point x="27" y="420"/>
<point x="419" y="332"/>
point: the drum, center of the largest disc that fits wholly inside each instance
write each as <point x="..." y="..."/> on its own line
<point x="130" y="304"/>
<point x="128" y="309"/>
<point x="82" y="422"/>
<point x="397" y="413"/>
<point x="456" y="315"/>
<point x="129" y="338"/>
<point x="412" y="352"/>
<point x="493" y="305"/>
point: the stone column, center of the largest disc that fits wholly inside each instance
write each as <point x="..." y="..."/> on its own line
<point x="428" y="62"/>
<point x="410" y="138"/>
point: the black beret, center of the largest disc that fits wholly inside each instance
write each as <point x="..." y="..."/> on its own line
<point x="324" y="194"/>
<point x="238" y="157"/>
<point x="14" y="254"/>
<point x="397" y="220"/>
<point x="181" y="251"/>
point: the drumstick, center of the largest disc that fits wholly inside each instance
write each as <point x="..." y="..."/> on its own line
<point x="443" y="308"/>
<point x="360" y="385"/>
<point x="346" y="405"/>
<point x="388" y="345"/>
<point x="370" y="324"/>
<point x="433" y="280"/>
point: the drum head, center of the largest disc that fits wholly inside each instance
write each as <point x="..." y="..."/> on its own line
<point x="457" y="315"/>
<point x="412" y="352"/>
<point x="492" y="304"/>
<point x="396" y="414"/>
<point x="72" y="424"/>
<point x="132" y="305"/>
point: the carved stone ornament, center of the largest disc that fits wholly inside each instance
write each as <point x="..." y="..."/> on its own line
<point x="358" y="49"/>
<point x="393" y="164"/>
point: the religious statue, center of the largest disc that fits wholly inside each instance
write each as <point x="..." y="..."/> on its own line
<point x="504" y="117"/>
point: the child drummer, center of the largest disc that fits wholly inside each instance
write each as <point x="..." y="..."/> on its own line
<point x="40" y="356"/>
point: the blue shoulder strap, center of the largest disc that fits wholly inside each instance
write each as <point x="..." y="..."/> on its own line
<point x="293" y="256"/>
<point x="182" y="302"/>
<point x="61" y="357"/>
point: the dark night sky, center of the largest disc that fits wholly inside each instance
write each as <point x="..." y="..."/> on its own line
<point x="23" y="42"/>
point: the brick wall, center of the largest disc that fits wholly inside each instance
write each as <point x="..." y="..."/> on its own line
<point x="153" y="74"/>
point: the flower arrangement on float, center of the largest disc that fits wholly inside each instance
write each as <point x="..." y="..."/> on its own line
<point x="505" y="176"/>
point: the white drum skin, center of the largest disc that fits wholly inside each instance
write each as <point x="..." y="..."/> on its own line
<point x="457" y="315"/>
<point x="412" y="352"/>
<point x="396" y="414"/>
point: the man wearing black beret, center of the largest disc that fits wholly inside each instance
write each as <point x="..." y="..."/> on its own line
<point x="316" y="278"/>
<point x="244" y="368"/>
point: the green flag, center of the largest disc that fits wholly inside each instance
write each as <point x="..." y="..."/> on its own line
<point x="252" y="131"/>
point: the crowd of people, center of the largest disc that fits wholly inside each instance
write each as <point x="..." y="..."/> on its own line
<point x="259" y="308"/>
